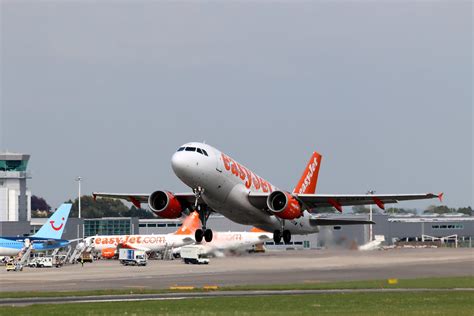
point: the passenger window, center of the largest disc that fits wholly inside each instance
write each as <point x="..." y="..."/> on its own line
<point x="199" y="151"/>
<point x="205" y="153"/>
<point x="181" y="148"/>
<point x="190" y="149"/>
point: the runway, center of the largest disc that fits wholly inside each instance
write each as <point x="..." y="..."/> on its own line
<point x="305" y="266"/>
<point x="179" y="296"/>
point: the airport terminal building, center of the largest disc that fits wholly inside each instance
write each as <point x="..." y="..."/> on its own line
<point x="394" y="228"/>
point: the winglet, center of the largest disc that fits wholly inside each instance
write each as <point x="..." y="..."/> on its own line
<point x="379" y="203"/>
<point x="309" y="179"/>
<point x="190" y="224"/>
<point x="440" y="196"/>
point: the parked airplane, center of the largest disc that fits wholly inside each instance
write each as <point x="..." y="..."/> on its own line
<point x="47" y="238"/>
<point x="225" y="186"/>
<point x="108" y="245"/>
<point x="235" y="241"/>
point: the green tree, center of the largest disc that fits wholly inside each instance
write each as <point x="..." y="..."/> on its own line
<point x="138" y="212"/>
<point x="361" y="209"/>
<point x="439" y="209"/>
<point x="102" y="207"/>
<point x="465" y="210"/>
<point x="396" y="210"/>
<point x="39" y="204"/>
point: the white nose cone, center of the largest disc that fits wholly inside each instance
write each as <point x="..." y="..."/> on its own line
<point x="179" y="164"/>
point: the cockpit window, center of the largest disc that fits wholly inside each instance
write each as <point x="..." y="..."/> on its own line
<point x="181" y="148"/>
<point x="199" y="150"/>
<point x="190" y="149"/>
<point x="205" y="152"/>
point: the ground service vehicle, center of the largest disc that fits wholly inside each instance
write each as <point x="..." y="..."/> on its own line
<point x="132" y="257"/>
<point x="10" y="266"/>
<point x="195" y="254"/>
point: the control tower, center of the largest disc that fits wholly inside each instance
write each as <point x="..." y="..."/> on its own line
<point x="15" y="199"/>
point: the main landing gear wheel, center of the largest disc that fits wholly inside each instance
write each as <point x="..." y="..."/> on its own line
<point x="277" y="236"/>
<point x="286" y="236"/>
<point x="208" y="235"/>
<point x="198" y="235"/>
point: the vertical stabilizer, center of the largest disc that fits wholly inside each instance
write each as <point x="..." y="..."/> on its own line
<point x="190" y="224"/>
<point x="309" y="179"/>
<point x="54" y="226"/>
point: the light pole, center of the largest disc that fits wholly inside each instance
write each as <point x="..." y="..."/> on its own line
<point x="370" y="192"/>
<point x="78" y="179"/>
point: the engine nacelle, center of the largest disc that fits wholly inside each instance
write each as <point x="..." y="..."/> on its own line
<point x="165" y="204"/>
<point x="108" y="253"/>
<point x="284" y="205"/>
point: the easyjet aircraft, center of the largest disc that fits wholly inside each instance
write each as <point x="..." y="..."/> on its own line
<point x="222" y="185"/>
<point x="107" y="245"/>
<point x="234" y="241"/>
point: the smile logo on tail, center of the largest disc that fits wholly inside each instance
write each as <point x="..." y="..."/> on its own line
<point x="56" y="228"/>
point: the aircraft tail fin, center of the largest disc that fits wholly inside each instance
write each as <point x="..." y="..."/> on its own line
<point x="54" y="226"/>
<point x="309" y="179"/>
<point x="190" y="224"/>
<point x="257" y="230"/>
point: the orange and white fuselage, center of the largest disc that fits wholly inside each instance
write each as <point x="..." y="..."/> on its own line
<point x="227" y="184"/>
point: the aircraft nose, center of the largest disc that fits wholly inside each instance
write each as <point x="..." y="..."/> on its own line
<point x="179" y="164"/>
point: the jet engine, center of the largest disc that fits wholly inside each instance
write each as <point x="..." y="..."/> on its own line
<point x="165" y="204"/>
<point x="108" y="253"/>
<point x="284" y="205"/>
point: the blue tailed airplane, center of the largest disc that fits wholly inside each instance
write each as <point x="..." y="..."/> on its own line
<point x="47" y="238"/>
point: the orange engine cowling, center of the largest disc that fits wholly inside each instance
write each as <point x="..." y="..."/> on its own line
<point x="108" y="253"/>
<point x="284" y="205"/>
<point x="165" y="204"/>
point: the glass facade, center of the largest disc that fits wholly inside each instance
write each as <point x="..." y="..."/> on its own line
<point x="13" y="165"/>
<point x="107" y="226"/>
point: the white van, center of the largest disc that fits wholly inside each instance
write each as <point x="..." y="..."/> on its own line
<point x="195" y="254"/>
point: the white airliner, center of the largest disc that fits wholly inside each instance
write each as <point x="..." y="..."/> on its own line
<point x="107" y="244"/>
<point x="223" y="242"/>
<point x="222" y="185"/>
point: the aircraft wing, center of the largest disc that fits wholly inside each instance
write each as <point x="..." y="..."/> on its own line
<point x="138" y="198"/>
<point x="313" y="201"/>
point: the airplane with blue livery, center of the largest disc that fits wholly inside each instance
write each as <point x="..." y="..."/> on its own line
<point x="47" y="238"/>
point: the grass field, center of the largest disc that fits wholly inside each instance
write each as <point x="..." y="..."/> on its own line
<point x="428" y="283"/>
<point x="411" y="303"/>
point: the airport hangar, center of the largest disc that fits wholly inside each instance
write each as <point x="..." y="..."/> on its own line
<point x="15" y="220"/>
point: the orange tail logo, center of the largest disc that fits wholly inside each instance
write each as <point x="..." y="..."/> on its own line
<point x="257" y="230"/>
<point x="190" y="224"/>
<point x="309" y="179"/>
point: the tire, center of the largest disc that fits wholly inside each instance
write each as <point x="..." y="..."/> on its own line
<point x="208" y="235"/>
<point x="286" y="236"/>
<point x="277" y="236"/>
<point x="198" y="235"/>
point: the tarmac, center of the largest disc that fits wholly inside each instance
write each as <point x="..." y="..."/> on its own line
<point x="283" y="267"/>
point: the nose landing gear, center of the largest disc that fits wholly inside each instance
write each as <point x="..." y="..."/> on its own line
<point x="204" y="212"/>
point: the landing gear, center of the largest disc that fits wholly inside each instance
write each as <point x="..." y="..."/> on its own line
<point x="208" y="235"/>
<point x="198" y="235"/>
<point x="285" y="233"/>
<point x="277" y="236"/>
<point x="204" y="213"/>
<point x="286" y="236"/>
